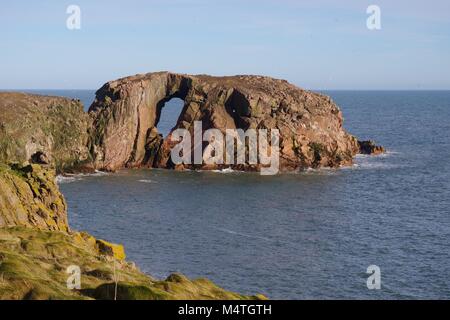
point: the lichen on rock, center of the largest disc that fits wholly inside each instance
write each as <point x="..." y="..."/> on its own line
<point x="30" y="197"/>
<point x="111" y="249"/>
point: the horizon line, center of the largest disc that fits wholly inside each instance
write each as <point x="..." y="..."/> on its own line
<point x="308" y="89"/>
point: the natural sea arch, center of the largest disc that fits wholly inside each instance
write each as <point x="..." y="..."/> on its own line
<point x="126" y="114"/>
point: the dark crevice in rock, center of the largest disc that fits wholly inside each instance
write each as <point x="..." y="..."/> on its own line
<point x="239" y="108"/>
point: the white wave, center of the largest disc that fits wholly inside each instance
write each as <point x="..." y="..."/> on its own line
<point x="374" y="165"/>
<point x="320" y="171"/>
<point x="377" y="156"/>
<point x="97" y="173"/>
<point x="147" y="181"/>
<point x="379" y="161"/>
<point x="68" y="178"/>
<point x="226" y="170"/>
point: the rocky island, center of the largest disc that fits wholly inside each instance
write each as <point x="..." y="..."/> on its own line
<point x="43" y="136"/>
<point x="125" y="117"/>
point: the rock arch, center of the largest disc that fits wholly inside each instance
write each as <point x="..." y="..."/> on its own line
<point x="126" y="111"/>
<point x="125" y="115"/>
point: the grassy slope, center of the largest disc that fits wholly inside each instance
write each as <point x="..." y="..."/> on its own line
<point x="33" y="265"/>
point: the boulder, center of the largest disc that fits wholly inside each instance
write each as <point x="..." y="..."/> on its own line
<point x="369" y="147"/>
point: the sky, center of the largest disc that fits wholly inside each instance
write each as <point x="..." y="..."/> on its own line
<point x="321" y="44"/>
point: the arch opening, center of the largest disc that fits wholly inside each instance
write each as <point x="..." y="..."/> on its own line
<point x="168" y="112"/>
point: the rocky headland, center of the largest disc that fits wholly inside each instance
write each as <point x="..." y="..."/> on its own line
<point x="43" y="129"/>
<point x="42" y="136"/>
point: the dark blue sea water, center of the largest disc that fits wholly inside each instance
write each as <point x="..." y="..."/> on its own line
<point x="295" y="236"/>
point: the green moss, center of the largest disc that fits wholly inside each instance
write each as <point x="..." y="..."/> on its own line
<point x="30" y="197"/>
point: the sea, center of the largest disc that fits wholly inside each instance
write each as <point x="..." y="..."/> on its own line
<point x="306" y="235"/>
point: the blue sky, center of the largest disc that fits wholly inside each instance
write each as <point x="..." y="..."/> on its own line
<point x="314" y="44"/>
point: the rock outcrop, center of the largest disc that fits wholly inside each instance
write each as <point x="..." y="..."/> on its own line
<point x="30" y="197"/>
<point x="126" y="113"/>
<point x="43" y="129"/>
<point x="369" y="147"/>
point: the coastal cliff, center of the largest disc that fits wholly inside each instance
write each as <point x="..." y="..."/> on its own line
<point x="37" y="246"/>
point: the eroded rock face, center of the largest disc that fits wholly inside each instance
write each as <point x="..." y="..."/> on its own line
<point x="125" y="115"/>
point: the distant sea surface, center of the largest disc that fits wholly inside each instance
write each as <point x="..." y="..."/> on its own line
<point x="294" y="236"/>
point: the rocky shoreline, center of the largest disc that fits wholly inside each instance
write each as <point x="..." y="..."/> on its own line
<point x="41" y="136"/>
